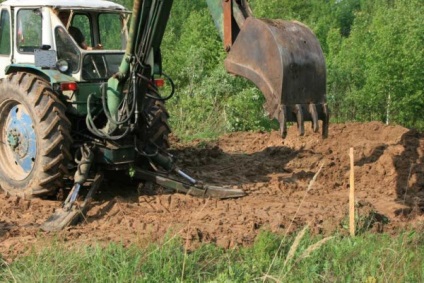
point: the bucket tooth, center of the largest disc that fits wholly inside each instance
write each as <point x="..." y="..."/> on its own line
<point x="300" y="120"/>
<point x="283" y="120"/>
<point x="314" y="117"/>
<point x="325" y="120"/>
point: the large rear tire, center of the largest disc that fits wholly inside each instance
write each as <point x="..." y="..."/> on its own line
<point x="34" y="137"/>
<point x="157" y="128"/>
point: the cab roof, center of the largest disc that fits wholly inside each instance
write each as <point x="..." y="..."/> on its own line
<point x="66" y="4"/>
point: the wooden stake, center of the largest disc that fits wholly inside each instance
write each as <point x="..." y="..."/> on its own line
<point x="352" y="195"/>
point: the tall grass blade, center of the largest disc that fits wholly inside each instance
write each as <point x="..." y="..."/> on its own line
<point x="295" y="245"/>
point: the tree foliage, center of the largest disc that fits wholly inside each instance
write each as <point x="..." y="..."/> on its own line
<point x="376" y="73"/>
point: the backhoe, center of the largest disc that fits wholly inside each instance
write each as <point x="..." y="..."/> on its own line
<point x="80" y="96"/>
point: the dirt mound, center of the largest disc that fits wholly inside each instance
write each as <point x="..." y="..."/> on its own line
<point x="275" y="173"/>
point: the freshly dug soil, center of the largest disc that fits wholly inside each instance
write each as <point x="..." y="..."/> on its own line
<point x="275" y="174"/>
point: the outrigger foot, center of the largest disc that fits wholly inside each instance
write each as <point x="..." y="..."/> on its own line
<point x="195" y="188"/>
<point x="70" y="213"/>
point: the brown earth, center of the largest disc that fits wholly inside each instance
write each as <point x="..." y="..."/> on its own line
<point x="275" y="173"/>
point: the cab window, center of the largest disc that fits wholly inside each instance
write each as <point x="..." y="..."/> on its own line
<point x="28" y="30"/>
<point x="82" y="23"/>
<point x="110" y="27"/>
<point x="66" y="48"/>
<point x="4" y="33"/>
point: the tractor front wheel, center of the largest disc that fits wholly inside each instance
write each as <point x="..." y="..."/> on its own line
<point x="34" y="137"/>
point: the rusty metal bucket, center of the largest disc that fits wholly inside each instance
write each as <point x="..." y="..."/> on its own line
<point x="285" y="61"/>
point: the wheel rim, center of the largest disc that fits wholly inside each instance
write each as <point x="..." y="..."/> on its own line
<point x="19" y="145"/>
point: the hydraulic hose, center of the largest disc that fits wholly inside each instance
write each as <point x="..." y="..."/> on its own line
<point x="155" y="91"/>
<point x="106" y="110"/>
<point x="93" y="128"/>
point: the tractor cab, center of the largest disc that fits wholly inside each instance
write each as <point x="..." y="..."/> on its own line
<point x="81" y="39"/>
<point x="92" y="42"/>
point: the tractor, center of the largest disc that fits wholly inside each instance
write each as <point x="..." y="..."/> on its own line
<point x="80" y="96"/>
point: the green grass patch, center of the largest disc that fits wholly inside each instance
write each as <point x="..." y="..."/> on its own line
<point x="273" y="258"/>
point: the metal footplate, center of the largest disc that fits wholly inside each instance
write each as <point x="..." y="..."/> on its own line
<point x="70" y="213"/>
<point x="195" y="188"/>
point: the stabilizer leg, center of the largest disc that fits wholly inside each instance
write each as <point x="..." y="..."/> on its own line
<point x="195" y="188"/>
<point x="70" y="213"/>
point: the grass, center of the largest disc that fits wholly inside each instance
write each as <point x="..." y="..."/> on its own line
<point x="366" y="258"/>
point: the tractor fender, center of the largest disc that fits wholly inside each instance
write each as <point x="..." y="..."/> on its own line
<point x="49" y="75"/>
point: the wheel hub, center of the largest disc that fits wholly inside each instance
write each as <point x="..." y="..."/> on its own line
<point x="21" y="139"/>
<point x="18" y="142"/>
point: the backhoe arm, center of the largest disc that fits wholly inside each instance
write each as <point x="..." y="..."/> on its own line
<point x="148" y="23"/>
<point x="282" y="58"/>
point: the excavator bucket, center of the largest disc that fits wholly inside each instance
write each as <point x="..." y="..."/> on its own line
<point x="285" y="61"/>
